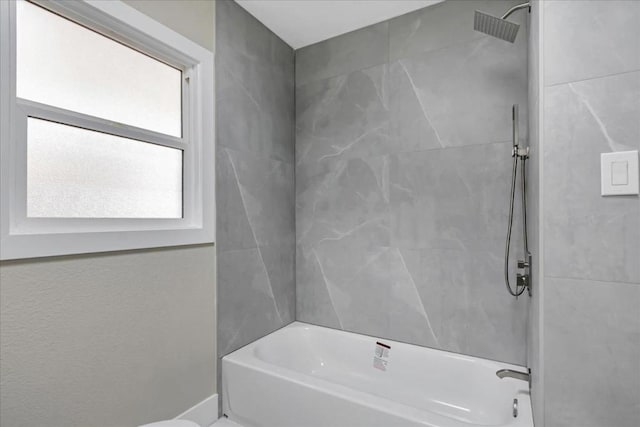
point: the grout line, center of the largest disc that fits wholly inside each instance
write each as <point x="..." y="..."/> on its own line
<point x="604" y="76"/>
<point x="374" y="156"/>
<point x="256" y="156"/>
<point x="294" y="139"/>
<point x="602" y="282"/>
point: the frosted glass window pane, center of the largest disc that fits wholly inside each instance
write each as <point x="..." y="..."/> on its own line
<point x="66" y="65"/>
<point x="79" y="173"/>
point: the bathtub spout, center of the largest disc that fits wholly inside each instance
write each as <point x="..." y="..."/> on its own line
<point x="509" y="373"/>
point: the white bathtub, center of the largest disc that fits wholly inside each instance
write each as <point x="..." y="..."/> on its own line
<point x="310" y="376"/>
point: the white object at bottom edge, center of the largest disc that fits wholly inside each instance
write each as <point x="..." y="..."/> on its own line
<point x="224" y="422"/>
<point x="172" y="423"/>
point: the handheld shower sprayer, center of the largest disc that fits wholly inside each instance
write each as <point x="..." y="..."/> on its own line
<point x="523" y="280"/>
<point x="507" y="30"/>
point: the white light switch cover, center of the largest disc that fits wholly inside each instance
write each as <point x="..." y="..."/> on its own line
<point x="619" y="173"/>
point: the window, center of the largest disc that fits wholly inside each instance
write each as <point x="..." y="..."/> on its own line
<point x="107" y="131"/>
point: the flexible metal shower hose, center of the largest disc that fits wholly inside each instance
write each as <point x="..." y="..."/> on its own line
<point x="514" y="174"/>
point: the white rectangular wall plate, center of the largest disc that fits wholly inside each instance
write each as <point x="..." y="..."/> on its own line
<point x="619" y="173"/>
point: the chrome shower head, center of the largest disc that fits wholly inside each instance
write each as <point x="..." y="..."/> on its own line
<point x="498" y="27"/>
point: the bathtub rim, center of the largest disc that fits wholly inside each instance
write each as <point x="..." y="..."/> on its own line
<point x="298" y="323"/>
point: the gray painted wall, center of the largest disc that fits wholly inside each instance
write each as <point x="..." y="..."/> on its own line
<point x="591" y="303"/>
<point x="116" y="339"/>
<point x="193" y="19"/>
<point x="403" y="134"/>
<point x="254" y="178"/>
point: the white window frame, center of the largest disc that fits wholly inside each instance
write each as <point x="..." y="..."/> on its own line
<point x="23" y="237"/>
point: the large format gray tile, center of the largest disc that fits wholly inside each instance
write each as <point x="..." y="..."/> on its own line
<point x="279" y="262"/>
<point x="469" y="308"/>
<point x="238" y="32"/>
<point x="350" y="277"/>
<point x="255" y="108"/>
<point x="410" y="125"/>
<point x="313" y="301"/>
<point x="455" y="198"/>
<point x="380" y="298"/>
<point x="259" y="212"/>
<point x="342" y="200"/>
<point x="590" y="39"/>
<point x="255" y="112"/>
<point x="443" y="25"/>
<point x="267" y="191"/>
<point x="458" y="96"/>
<point x="353" y="51"/>
<point x="342" y="231"/>
<point x="402" y="174"/>
<point x="233" y="230"/>
<point x="592" y="353"/>
<point x="364" y="290"/>
<point x="589" y="236"/>
<point x="247" y="308"/>
<point x="343" y="116"/>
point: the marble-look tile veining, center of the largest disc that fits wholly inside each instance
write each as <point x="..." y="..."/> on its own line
<point x="598" y="234"/>
<point x="328" y="285"/>
<point x="613" y="145"/>
<point x="343" y="116"/>
<point x="477" y="82"/>
<point x="244" y="203"/>
<point x="588" y="316"/>
<point x="421" y="102"/>
<point x="441" y="25"/>
<point x="402" y="174"/>
<point x="418" y="299"/>
<point x="249" y="310"/>
<point x="353" y="51"/>
<point x="255" y="119"/>
<point x="255" y="100"/>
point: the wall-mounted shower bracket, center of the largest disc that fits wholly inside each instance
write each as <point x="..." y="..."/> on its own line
<point x="521" y="152"/>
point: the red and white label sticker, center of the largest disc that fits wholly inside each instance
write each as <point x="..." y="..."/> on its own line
<point x="381" y="356"/>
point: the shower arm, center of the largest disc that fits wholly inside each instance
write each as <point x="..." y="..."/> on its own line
<point x="515" y="8"/>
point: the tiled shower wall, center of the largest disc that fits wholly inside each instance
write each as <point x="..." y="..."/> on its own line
<point x="534" y="322"/>
<point x="591" y="304"/>
<point x="254" y="179"/>
<point x="403" y="162"/>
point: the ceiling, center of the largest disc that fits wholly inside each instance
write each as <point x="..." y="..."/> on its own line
<point x="304" y="22"/>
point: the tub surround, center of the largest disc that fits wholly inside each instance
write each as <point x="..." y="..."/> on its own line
<point x="403" y="163"/>
<point x="591" y="300"/>
<point x="534" y="322"/>
<point x="255" y="178"/>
